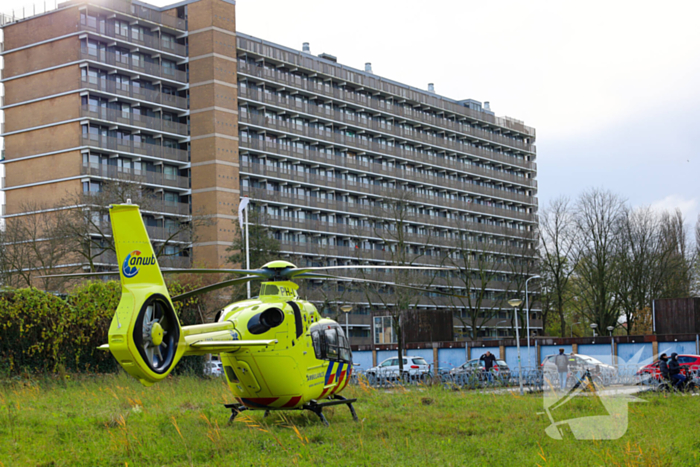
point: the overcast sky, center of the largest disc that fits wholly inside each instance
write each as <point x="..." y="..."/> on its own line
<point x="611" y="87"/>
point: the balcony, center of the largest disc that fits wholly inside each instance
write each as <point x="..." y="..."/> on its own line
<point x="141" y="12"/>
<point x="159" y="206"/>
<point x="153" y="42"/>
<point x="364" y="167"/>
<point x="358" y="143"/>
<point x="113" y="144"/>
<point x="365" y="187"/>
<point x="434" y="238"/>
<point x="411" y="198"/>
<point x="399" y="111"/>
<point x="136" y="93"/>
<point x="433" y="222"/>
<point x="132" y="119"/>
<point x="353" y="296"/>
<point x="353" y="231"/>
<point x="136" y="176"/>
<point x="153" y="69"/>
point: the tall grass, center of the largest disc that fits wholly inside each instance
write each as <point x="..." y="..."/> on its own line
<point x="113" y="420"/>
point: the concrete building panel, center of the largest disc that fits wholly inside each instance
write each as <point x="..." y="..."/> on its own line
<point x="43" y="169"/>
<point x="42" y="56"/>
<point x="39" y="197"/>
<point x="42" y="28"/>
<point x="44" y="112"/>
<point x="48" y="83"/>
<point x="51" y="139"/>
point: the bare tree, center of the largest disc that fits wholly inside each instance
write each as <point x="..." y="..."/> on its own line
<point x="644" y="260"/>
<point x="598" y="219"/>
<point x="558" y="253"/>
<point x="680" y="257"/>
<point x="32" y="245"/>
<point x="396" y="231"/>
<point x="87" y="228"/>
<point x="480" y="270"/>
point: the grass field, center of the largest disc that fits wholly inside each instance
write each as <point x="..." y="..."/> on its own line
<point x="113" y="420"/>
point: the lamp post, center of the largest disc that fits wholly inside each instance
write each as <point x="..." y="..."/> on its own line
<point x="611" y="329"/>
<point x="346" y="309"/>
<point x="527" y="316"/>
<point x="515" y="303"/>
<point x="593" y="326"/>
<point x="612" y="344"/>
<point x="571" y="326"/>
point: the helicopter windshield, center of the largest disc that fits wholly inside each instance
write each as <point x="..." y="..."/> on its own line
<point x="330" y="343"/>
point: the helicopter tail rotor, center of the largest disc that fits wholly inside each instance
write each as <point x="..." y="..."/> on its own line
<point x="145" y="335"/>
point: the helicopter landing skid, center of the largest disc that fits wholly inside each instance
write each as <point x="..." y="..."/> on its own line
<point x="317" y="407"/>
<point x="313" y="406"/>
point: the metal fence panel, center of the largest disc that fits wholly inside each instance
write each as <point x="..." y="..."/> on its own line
<point x="554" y="349"/>
<point x="451" y="358"/>
<point x="479" y="351"/>
<point x="602" y="352"/>
<point x="678" y="347"/>
<point x="364" y="358"/>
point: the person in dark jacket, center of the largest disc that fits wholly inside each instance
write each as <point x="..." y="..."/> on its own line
<point x="562" y="363"/>
<point x="674" y="369"/>
<point x="488" y="358"/>
<point x="663" y="367"/>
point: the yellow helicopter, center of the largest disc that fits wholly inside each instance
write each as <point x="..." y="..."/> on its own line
<point x="277" y="352"/>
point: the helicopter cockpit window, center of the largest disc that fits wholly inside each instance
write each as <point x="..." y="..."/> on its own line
<point x="331" y="344"/>
<point x="316" y="339"/>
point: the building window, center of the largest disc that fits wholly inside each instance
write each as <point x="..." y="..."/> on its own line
<point x="383" y="330"/>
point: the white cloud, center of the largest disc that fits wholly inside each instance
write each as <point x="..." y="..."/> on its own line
<point x="689" y="207"/>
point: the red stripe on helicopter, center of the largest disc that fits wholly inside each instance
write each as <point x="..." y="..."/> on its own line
<point x="330" y="376"/>
<point x="258" y="401"/>
<point x="292" y="402"/>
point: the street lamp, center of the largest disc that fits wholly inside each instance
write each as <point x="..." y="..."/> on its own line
<point x="346" y="309"/>
<point x="593" y="326"/>
<point x="572" y="328"/>
<point x="527" y="311"/>
<point x="611" y="329"/>
<point x="515" y="303"/>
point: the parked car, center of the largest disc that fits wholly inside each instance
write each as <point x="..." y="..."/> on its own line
<point x="475" y="367"/>
<point x="213" y="368"/>
<point x="688" y="363"/>
<point x="412" y="366"/>
<point x="582" y="362"/>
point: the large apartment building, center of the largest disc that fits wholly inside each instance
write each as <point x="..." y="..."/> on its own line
<point x="178" y="101"/>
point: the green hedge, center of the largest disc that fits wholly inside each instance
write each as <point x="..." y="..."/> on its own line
<point x="40" y="332"/>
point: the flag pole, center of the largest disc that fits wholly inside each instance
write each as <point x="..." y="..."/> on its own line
<point x="247" y="249"/>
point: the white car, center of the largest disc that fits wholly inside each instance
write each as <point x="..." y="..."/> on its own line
<point x="213" y="368"/>
<point x="412" y="366"/>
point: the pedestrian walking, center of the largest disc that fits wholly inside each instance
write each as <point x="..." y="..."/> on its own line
<point x="562" y="362"/>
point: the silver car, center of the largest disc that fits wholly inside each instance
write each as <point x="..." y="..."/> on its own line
<point x="389" y="368"/>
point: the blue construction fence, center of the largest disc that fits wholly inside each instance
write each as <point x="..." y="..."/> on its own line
<point x="631" y="354"/>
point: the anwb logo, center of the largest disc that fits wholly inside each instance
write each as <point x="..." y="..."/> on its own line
<point x="133" y="260"/>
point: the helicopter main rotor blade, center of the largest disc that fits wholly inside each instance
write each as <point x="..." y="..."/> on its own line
<point x="355" y="279"/>
<point x="209" y="288"/>
<point x="255" y="272"/>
